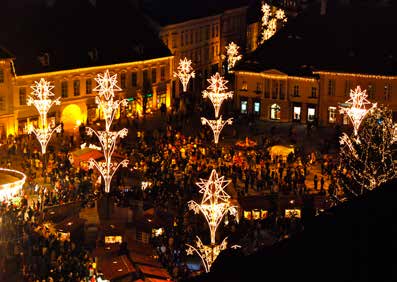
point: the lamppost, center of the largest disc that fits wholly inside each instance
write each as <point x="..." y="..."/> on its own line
<point x="214" y="205"/>
<point x="107" y="85"/>
<point x="41" y="99"/>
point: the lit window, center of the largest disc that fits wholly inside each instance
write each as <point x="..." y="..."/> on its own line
<point x="257" y="108"/>
<point x="314" y="92"/>
<point x="296" y="91"/>
<point x="311" y="114"/>
<point x="297" y="113"/>
<point x="275" y="112"/>
<point x="331" y="114"/>
<point x="244" y="107"/>
<point x="244" y="86"/>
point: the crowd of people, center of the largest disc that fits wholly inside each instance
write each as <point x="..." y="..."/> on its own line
<point x="172" y="163"/>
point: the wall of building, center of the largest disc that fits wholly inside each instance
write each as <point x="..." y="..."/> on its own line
<point x="309" y="99"/>
<point x="76" y="89"/>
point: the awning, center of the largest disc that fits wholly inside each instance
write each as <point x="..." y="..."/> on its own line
<point x="160" y="273"/>
<point x="83" y="155"/>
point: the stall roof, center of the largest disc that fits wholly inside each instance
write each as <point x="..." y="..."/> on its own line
<point x="153" y="271"/>
<point x="116" y="267"/>
<point x="69" y="224"/>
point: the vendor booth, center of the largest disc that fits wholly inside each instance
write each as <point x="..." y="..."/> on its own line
<point x="281" y="151"/>
<point x="81" y="157"/>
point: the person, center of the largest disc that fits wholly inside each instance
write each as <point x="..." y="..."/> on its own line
<point x="322" y="184"/>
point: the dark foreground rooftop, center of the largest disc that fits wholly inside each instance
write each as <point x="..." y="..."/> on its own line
<point x="354" y="241"/>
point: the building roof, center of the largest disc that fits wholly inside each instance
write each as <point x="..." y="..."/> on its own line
<point x="349" y="38"/>
<point x="76" y="34"/>
<point x="350" y="242"/>
<point x="177" y="11"/>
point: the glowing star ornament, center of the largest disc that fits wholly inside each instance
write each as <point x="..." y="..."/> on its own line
<point x="207" y="254"/>
<point x="217" y="92"/>
<point x="270" y="20"/>
<point x="41" y="99"/>
<point x="145" y="185"/>
<point x="107" y="85"/>
<point x="215" y="202"/>
<point x="357" y="110"/>
<point x="216" y="126"/>
<point x="214" y="206"/>
<point x="232" y="55"/>
<point x="185" y="72"/>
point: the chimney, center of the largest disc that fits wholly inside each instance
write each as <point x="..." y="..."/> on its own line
<point x="323" y="9"/>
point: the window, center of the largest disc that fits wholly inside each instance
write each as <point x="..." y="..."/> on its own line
<point x="154" y="75"/>
<point x="244" y="86"/>
<point x="257" y="108"/>
<point x="275" y="112"/>
<point x="296" y="91"/>
<point x="122" y="80"/>
<point x="314" y="92"/>
<point x="134" y="79"/>
<point x="162" y="73"/>
<point x="387" y="92"/>
<point x="207" y="32"/>
<point x="1" y="76"/>
<point x="282" y="90"/>
<point x="244" y="107"/>
<point x="88" y="86"/>
<point x="348" y="86"/>
<point x="371" y="91"/>
<point x="275" y="89"/>
<point x="76" y="87"/>
<point x="64" y="89"/>
<point x="2" y="103"/>
<point x="345" y="119"/>
<point x="331" y="114"/>
<point x="331" y="87"/>
<point x="258" y="88"/>
<point x="182" y="38"/>
<point x="187" y="38"/>
<point x="22" y="96"/>
<point x="145" y="76"/>
<point x="267" y="88"/>
<point x="297" y="113"/>
<point x="311" y="114"/>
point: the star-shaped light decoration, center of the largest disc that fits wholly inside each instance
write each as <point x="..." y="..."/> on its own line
<point x="41" y="99"/>
<point x="107" y="85"/>
<point x="215" y="202"/>
<point x="185" y="72"/>
<point x="216" y="126"/>
<point x="145" y="185"/>
<point x="266" y="13"/>
<point x="217" y="92"/>
<point x="232" y="55"/>
<point x="270" y="20"/>
<point x="357" y="110"/>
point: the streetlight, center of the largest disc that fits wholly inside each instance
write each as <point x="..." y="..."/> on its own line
<point x="41" y="99"/>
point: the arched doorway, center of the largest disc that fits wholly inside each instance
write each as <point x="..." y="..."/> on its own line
<point x="275" y="112"/>
<point x="72" y="116"/>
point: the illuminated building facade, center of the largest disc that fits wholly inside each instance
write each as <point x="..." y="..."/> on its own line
<point x="199" y="33"/>
<point x="308" y="70"/>
<point x="142" y="63"/>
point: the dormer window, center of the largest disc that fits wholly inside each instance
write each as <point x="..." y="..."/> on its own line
<point x="44" y="60"/>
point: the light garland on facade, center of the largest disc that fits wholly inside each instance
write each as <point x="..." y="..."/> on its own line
<point x="357" y="111"/>
<point x="270" y="20"/>
<point x="358" y="75"/>
<point x="107" y="85"/>
<point x="217" y="92"/>
<point x="233" y="55"/>
<point x="276" y="76"/>
<point x="214" y="205"/>
<point x="41" y="99"/>
<point x="216" y="126"/>
<point x="185" y="72"/>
